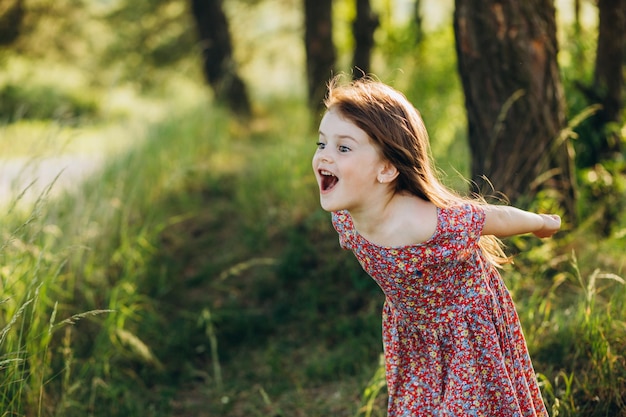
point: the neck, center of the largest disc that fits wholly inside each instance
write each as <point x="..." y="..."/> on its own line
<point x="369" y="220"/>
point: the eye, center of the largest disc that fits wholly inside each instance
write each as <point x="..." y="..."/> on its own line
<point x="343" y="149"/>
<point x="320" y="145"/>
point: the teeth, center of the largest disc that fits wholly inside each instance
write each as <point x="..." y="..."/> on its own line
<point x="324" y="172"/>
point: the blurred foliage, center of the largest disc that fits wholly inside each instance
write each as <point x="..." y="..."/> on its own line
<point x="603" y="187"/>
<point x="129" y="41"/>
<point x="61" y="29"/>
<point x="31" y="101"/>
<point x="149" y="34"/>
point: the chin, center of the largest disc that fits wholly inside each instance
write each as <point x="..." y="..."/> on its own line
<point x="327" y="207"/>
<point x="330" y="206"/>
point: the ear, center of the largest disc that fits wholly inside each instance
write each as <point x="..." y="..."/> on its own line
<point x="388" y="172"/>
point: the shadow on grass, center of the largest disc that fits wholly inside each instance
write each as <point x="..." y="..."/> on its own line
<point x="245" y="325"/>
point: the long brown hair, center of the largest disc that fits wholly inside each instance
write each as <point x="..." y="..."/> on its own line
<point x="397" y="128"/>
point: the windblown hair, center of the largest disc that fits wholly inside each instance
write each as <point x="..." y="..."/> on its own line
<point x="396" y="127"/>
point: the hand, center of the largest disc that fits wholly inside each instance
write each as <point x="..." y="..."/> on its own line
<point x="551" y="224"/>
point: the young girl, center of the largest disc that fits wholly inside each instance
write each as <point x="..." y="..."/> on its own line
<point x="452" y="338"/>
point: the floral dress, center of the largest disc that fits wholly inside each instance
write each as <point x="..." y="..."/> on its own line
<point x="452" y="338"/>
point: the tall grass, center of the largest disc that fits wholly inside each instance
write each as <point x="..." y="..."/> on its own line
<point x="30" y="282"/>
<point x="575" y="323"/>
<point x="84" y="254"/>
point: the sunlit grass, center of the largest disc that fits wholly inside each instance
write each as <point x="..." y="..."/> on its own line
<point x="85" y="253"/>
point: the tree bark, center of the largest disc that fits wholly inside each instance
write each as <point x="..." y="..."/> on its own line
<point x="11" y="19"/>
<point x="608" y="73"/>
<point x="507" y="59"/>
<point x="363" y="27"/>
<point x="320" y="49"/>
<point x="219" y="65"/>
<point x="577" y="24"/>
<point x="418" y="20"/>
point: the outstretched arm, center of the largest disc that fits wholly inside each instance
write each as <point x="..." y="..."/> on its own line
<point x="503" y="221"/>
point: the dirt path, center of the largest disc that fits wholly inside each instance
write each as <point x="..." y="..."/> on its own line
<point x="31" y="177"/>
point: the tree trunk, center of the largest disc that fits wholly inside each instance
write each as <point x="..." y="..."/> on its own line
<point x="507" y="58"/>
<point x="608" y="74"/>
<point x="11" y="19"/>
<point x="418" y="20"/>
<point x="577" y="24"/>
<point x="219" y="66"/>
<point x="364" y="27"/>
<point x="319" y="47"/>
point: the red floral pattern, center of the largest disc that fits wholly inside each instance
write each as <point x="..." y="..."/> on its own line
<point x="452" y="338"/>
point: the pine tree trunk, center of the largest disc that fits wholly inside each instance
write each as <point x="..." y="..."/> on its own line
<point x="220" y="69"/>
<point x="319" y="47"/>
<point x="608" y="74"/>
<point x="11" y="20"/>
<point x="507" y="58"/>
<point x="364" y="27"/>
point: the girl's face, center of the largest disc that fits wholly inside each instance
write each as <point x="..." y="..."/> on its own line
<point x="346" y="164"/>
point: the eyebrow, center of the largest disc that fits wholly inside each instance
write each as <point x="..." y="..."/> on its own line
<point x="340" y="136"/>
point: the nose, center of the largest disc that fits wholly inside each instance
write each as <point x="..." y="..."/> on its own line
<point x="322" y="155"/>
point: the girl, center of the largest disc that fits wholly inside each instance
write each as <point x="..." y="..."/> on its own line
<point x="452" y="338"/>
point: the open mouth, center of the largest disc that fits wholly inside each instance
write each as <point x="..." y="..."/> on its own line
<point x="329" y="180"/>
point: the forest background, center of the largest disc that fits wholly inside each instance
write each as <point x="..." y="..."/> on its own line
<point x="162" y="250"/>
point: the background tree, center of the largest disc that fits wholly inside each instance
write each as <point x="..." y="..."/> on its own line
<point x="608" y="78"/>
<point x="319" y="48"/>
<point x="364" y="26"/>
<point x="600" y="144"/>
<point x="418" y="20"/>
<point x="507" y="59"/>
<point x="219" y="66"/>
<point x="11" y="18"/>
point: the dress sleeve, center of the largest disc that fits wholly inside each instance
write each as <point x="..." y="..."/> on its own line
<point x="460" y="228"/>
<point x="474" y="221"/>
<point x="343" y="225"/>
